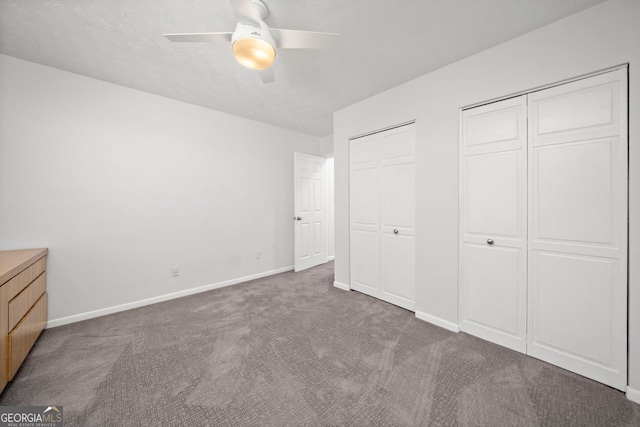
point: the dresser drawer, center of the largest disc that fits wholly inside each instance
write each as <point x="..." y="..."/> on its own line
<point x="24" y="278"/>
<point x="21" y="304"/>
<point x="24" y="335"/>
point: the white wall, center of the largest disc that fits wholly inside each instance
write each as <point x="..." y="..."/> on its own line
<point x="597" y="38"/>
<point x="326" y="143"/>
<point x="122" y="185"/>
<point x="331" y="230"/>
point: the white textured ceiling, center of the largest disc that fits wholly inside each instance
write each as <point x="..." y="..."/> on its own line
<point x="384" y="43"/>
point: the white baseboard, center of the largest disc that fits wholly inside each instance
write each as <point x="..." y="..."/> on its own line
<point x="166" y="297"/>
<point x="633" y="395"/>
<point x="437" y="321"/>
<point x="331" y="258"/>
<point x="342" y="286"/>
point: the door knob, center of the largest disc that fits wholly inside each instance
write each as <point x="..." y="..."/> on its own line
<point x="489" y="241"/>
<point x="298" y="218"/>
<point x="395" y="231"/>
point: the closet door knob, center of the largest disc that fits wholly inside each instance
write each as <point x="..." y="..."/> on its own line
<point x="395" y="231"/>
<point x="489" y="241"/>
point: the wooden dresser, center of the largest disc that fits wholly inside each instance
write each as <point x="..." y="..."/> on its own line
<point x="23" y="307"/>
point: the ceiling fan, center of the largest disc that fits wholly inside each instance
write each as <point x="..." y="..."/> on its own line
<point x="254" y="43"/>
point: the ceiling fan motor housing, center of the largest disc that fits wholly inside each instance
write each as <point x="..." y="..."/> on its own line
<point x="244" y="31"/>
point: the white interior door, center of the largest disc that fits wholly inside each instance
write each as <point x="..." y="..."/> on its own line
<point x="309" y="211"/>
<point x="578" y="227"/>
<point x="397" y="228"/>
<point x="493" y="222"/>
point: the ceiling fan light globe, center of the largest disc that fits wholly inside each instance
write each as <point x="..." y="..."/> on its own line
<point x="254" y="53"/>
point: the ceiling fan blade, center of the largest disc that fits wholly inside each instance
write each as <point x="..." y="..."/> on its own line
<point x="244" y="12"/>
<point x="294" y="39"/>
<point x="267" y="75"/>
<point x="200" y="37"/>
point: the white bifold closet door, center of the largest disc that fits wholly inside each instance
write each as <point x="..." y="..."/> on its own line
<point x="544" y="225"/>
<point x="578" y="227"/>
<point x="382" y="215"/>
<point x="494" y="223"/>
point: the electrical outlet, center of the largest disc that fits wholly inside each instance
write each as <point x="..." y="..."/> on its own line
<point x="175" y="272"/>
<point x="258" y="254"/>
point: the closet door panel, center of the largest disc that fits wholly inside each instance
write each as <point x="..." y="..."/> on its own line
<point x="398" y="196"/>
<point x="398" y="205"/>
<point x="365" y="262"/>
<point x="584" y="330"/>
<point x="578" y="227"/>
<point x="363" y="152"/>
<point x="495" y="127"/>
<point x="492" y="194"/>
<point x="398" y="269"/>
<point x="573" y="192"/>
<point x="398" y="145"/>
<point x="364" y="215"/>
<point x="493" y="223"/>
<point x="585" y="109"/>
<point x="364" y="198"/>
<point x="493" y="286"/>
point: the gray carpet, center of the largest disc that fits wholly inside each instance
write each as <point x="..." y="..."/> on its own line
<point x="292" y="350"/>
